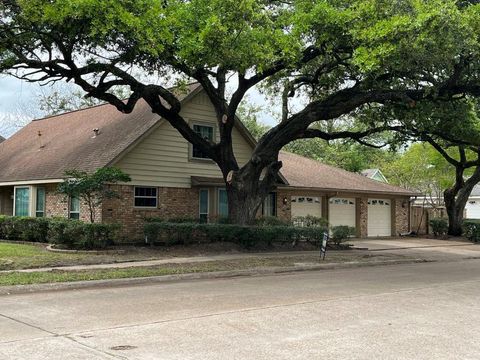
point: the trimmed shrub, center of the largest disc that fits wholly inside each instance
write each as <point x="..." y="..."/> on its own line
<point x="309" y="221"/>
<point x="270" y="221"/>
<point x="471" y="230"/>
<point x="72" y="234"/>
<point x="246" y="236"/>
<point x="341" y="233"/>
<point x="172" y="220"/>
<point x="32" y="229"/>
<point x="23" y="228"/>
<point x="439" y="226"/>
<point x="7" y="228"/>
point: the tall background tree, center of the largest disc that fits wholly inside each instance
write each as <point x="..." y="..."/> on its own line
<point x="334" y="56"/>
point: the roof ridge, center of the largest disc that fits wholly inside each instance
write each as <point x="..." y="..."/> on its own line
<point x="71" y="111"/>
<point x="95" y="106"/>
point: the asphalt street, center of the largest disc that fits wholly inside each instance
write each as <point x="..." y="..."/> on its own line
<point x="417" y="311"/>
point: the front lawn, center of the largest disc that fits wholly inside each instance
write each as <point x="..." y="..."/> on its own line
<point x="22" y="256"/>
<point x="37" y="277"/>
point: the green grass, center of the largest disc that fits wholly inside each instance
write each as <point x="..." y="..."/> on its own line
<point x="22" y="256"/>
<point x="37" y="277"/>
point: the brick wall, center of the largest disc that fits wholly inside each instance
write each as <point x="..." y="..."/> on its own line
<point x="401" y="215"/>
<point x="362" y="216"/>
<point x="183" y="202"/>
<point x="172" y="203"/>
<point x="57" y="205"/>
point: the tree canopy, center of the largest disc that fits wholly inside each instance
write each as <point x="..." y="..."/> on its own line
<point x="336" y="57"/>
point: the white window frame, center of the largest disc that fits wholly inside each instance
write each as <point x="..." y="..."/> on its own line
<point x="30" y="206"/>
<point x="267" y="199"/>
<point x="145" y="197"/>
<point x="70" y="212"/>
<point x="193" y="124"/>
<point x="36" y="201"/>
<point x="200" y="213"/>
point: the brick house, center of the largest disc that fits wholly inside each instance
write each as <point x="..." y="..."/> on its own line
<point x="171" y="178"/>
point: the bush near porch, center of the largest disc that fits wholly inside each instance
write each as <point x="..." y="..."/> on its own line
<point x="72" y="234"/>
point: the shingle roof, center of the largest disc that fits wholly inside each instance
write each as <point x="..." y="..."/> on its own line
<point x="67" y="141"/>
<point x="302" y="172"/>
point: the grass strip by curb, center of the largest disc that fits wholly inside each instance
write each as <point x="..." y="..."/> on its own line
<point x="124" y="277"/>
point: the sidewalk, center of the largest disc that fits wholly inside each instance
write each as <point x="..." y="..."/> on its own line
<point x="174" y="260"/>
<point x="432" y="249"/>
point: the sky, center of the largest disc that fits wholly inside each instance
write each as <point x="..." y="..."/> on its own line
<point x="18" y="97"/>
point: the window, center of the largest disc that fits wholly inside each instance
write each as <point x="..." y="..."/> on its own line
<point x="40" y="203"/>
<point x="74" y="208"/>
<point x="146" y="197"/>
<point x="22" y="201"/>
<point x="269" y="207"/>
<point x="222" y="203"/>
<point x="203" y="211"/>
<point x="205" y="132"/>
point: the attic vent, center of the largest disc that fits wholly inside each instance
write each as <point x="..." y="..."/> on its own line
<point x="41" y="145"/>
<point x="96" y="131"/>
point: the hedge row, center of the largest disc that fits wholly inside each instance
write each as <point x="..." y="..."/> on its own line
<point x="72" y="234"/>
<point x="247" y="236"/>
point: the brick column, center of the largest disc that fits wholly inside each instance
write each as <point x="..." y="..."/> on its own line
<point x="400" y="216"/>
<point x="361" y="205"/>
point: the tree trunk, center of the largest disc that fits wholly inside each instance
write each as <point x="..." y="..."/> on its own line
<point x="456" y="199"/>
<point x="243" y="205"/>
<point x="454" y="212"/>
<point x="247" y="189"/>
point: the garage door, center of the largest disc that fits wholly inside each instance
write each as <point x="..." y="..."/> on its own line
<point x="306" y="205"/>
<point x="341" y="211"/>
<point x="379" y="217"/>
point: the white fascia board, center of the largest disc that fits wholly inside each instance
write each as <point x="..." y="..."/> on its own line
<point x="31" y="182"/>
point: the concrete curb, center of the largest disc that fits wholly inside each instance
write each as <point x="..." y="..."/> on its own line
<point x="52" y="248"/>
<point x="78" y="285"/>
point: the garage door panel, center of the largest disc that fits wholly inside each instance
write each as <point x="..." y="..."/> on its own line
<point x="342" y="212"/>
<point x="379" y="217"/>
<point x="306" y="205"/>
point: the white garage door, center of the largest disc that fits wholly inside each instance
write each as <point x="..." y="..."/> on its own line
<point x="306" y="205"/>
<point x="341" y="211"/>
<point x="379" y="217"/>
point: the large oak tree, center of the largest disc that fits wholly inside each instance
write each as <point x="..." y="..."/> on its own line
<point x="337" y="56"/>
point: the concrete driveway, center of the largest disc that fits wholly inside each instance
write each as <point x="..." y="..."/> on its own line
<point x="418" y="311"/>
<point x="431" y="249"/>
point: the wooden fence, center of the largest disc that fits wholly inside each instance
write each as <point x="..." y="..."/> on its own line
<point x="420" y="217"/>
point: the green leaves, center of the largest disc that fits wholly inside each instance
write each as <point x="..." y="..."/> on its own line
<point x="92" y="189"/>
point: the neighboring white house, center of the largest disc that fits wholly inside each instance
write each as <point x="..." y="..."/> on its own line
<point x="374" y="174"/>
<point x="472" y="208"/>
